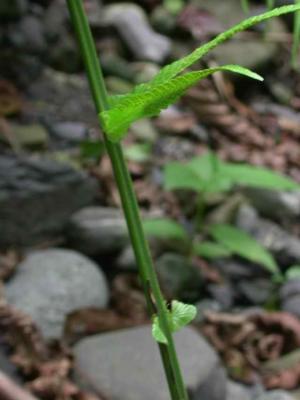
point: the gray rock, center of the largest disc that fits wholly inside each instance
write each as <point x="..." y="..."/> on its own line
<point x="64" y="55"/>
<point x="283" y="245"/>
<point x="97" y="230"/>
<point x="235" y="391"/>
<point x="275" y="395"/>
<point x="256" y="291"/>
<point x="51" y="283"/>
<point x="32" y="31"/>
<point x="55" y="18"/>
<point x="37" y="198"/>
<point x="274" y="204"/>
<point x="236" y="270"/>
<point x="71" y="132"/>
<point x="290" y="296"/>
<point x="131" y="23"/>
<point x="206" y="305"/>
<point x="179" y="278"/>
<point x="31" y="136"/>
<point x="12" y="8"/>
<point x="132" y="369"/>
<point x="223" y="294"/>
<point x="71" y="94"/>
<point x="126" y="259"/>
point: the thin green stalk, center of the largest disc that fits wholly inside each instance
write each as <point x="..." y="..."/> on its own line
<point x="155" y="300"/>
<point x="296" y="38"/>
<point x="245" y="6"/>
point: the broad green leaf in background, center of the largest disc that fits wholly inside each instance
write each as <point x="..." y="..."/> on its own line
<point x="174" y="6"/>
<point x="164" y="228"/>
<point x="242" y="244"/>
<point x="293" y="272"/>
<point x="249" y="175"/>
<point x="211" y="250"/>
<point x="180" y="315"/>
<point x="139" y="152"/>
<point x="181" y="176"/>
<point x="210" y="169"/>
<point x="149" y="103"/>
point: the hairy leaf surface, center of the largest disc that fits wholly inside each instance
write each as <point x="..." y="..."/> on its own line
<point x="179" y="316"/>
<point x="134" y="106"/>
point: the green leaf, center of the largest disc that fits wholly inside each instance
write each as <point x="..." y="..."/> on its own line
<point x="164" y="228"/>
<point x="149" y="103"/>
<point x="139" y="152"/>
<point x="270" y="4"/>
<point x="248" y="175"/>
<point x="181" y="176"/>
<point x="296" y="37"/>
<point x="210" y="169"/>
<point x="175" y="68"/>
<point x="245" y="6"/>
<point x="173" y="6"/>
<point x="242" y="244"/>
<point x="91" y="149"/>
<point x="293" y="272"/>
<point x="157" y="332"/>
<point x="180" y="315"/>
<point x="211" y="250"/>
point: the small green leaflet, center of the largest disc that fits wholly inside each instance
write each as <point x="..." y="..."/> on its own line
<point x="180" y="315"/>
<point x="164" y="228"/>
<point x="293" y="272"/>
<point x="242" y="244"/>
<point x="211" y="250"/>
<point x="149" y="103"/>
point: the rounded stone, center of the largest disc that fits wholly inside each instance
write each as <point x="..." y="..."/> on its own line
<point x="51" y="283"/>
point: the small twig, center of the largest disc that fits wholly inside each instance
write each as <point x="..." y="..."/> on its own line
<point x="9" y="390"/>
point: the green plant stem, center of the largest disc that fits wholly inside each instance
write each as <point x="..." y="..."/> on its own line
<point x="245" y="6"/>
<point x="154" y="298"/>
<point x="296" y="38"/>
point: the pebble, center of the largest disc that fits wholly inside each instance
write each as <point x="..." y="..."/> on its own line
<point x="97" y="230"/>
<point x="132" y="25"/>
<point x="132" y="369"/>
<point x="37" y="198"/>
<point x="49" y="284"/>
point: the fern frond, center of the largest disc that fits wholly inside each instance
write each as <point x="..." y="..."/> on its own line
<point x="134" y="106"/>
<point x="172" y="70"/>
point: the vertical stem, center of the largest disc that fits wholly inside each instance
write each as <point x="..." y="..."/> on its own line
<point x="129" y="204"/>
<point x="296" y="38"/>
